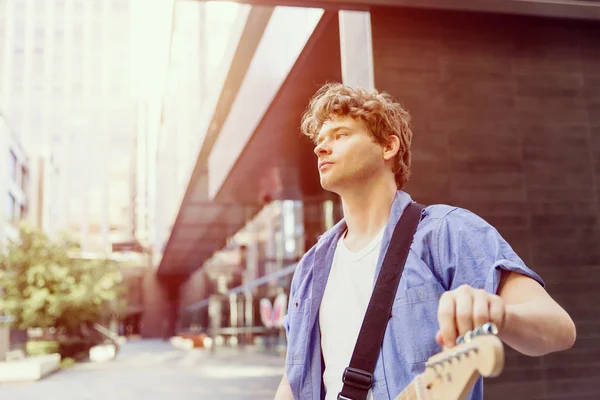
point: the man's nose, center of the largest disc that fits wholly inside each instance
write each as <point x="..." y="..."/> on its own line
<point x="322" y="149"/>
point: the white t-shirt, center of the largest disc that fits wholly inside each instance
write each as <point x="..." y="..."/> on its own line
<point x="345" y="301"/>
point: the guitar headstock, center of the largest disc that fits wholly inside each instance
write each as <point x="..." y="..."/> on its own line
<point x="451" y="374"/>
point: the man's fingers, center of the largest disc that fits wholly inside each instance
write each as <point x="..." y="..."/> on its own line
<point x="439" y="339"/>
<point x="497" y="311"/>
<point x="481" y="308"/>
<point x="464" y="311"/>
<point x="446" y="319"/>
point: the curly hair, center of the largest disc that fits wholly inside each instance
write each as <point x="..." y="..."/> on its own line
<point x="382" y="115"/>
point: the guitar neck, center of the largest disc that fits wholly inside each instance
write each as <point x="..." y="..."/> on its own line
<point x="414" y="391"/>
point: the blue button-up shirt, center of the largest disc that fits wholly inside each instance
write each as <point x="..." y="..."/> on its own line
<point x="451" y="247"/>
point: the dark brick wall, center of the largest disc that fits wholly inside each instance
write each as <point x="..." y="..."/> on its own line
<point x="507" y="124"/>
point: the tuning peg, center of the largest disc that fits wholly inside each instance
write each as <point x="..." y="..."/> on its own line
<point x="465" y="339"/>
<point x="436" y="366"/>
<point x="468" y="336"/>
<point x="490" y="328"/>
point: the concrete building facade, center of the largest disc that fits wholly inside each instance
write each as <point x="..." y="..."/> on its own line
<point x="14" y="175"/>
<point x="65" y="89"/>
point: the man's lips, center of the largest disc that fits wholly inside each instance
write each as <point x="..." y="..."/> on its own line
<point x="324" y="164"/>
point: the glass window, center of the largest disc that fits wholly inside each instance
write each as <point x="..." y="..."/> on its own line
<point x="17" y="116"/>
<point x="98" y="6"/>
<point x="119" y="5"/>
<point x="78" y="7"/>
<point x="39" y="34"/>
<point x="10" y="206"/>
<point x="24" y="178"/>
<point x="77" y="88"/>
<point x="19" y="31"/>
<point x="13" y="166"/>
<point x="20" y="5"/>
<point x="97" y="34"/>
<point x="59" y="34"/>
<point x="78" y="31"/>
<point x="56" y="139"/>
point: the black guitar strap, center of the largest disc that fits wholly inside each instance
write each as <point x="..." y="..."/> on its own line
<point x="358" y="377"/>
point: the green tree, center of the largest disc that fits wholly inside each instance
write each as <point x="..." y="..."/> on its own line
<point x="45" y="284"/>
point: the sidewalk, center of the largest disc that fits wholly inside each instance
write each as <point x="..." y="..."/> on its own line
<point x="155" y="370"/>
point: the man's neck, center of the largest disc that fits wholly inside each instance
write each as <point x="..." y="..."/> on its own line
<point x="366" y="211"/>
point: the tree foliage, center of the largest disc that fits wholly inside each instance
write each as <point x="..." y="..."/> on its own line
<point x="46" y="284"/>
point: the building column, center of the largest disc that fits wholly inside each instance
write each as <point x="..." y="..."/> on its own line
<point x="356" y="49"/>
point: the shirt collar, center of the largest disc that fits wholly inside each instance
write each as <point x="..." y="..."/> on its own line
<point x="401" y="201"/>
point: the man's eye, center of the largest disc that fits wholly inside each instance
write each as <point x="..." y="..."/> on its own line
<point x="339" y="135"/>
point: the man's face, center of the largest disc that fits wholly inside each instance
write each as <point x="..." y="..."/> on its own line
<point x="347" y="154"/>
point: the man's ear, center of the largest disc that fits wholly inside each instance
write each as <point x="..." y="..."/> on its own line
<point x="391" y="147"/>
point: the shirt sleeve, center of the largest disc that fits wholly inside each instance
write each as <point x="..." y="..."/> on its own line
<point x="285" y="322"/>
<point x="471" y="251"/>
<point x="298" y="272"/>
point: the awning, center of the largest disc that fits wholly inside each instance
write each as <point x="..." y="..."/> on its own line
<point x="577" y="9"/>
<point x="201" y="226"/>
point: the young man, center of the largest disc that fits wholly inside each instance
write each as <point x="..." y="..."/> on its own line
<point x="460" y="273"/>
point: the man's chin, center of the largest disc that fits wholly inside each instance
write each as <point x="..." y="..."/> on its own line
<point x="328" y="185"/>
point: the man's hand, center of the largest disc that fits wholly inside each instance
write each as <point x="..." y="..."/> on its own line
<point x="464" y="309"/>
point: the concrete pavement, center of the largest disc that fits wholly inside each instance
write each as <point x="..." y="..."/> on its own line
<point x="155" y="370"/>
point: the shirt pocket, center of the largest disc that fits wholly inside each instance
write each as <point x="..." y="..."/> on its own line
<point x="413" y="324"/>
<point x="297" y="339"/>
